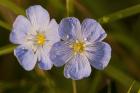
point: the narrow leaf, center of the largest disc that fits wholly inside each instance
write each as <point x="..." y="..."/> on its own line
<point x="122" y="78"/>
<point x="5" y="25"/>
<point x="6" y="49"/>
<point x="120" y="14"/>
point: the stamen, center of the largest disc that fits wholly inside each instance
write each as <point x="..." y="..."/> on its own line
<point x="40" y="39"/>
<point x="78" y="47"/>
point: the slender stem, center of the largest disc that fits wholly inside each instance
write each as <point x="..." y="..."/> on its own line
<point x="109" y="87"/>
<point x="74" y="86"/>
<point x="129" y="90"/>
<point x="67" y="7"/>
<point x="120" y="14"/>
<point x="7" y="49"/>
<point x="5" y="25"/>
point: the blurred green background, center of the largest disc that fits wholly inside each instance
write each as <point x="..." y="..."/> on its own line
<point x="120" y="19"/>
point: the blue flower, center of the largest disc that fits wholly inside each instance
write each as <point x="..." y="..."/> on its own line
<point x="35" y="35"/>
<point x="81" y="46"/>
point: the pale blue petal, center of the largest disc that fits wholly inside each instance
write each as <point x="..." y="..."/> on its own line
<point x="60" y="54"/>
<point x="70" y="28"/>
<point x="20" y="27"/>
<point x="77" y="68"/>
<point x="26" y="57"/>
<point x="38" y="16"/>
<point x="99" y="55"/>
<point x="44" y="62"/>
<point x="52" y="32"/>
<point x="92" y="30"/>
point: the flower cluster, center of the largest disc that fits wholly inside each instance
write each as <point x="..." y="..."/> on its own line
<point x="77" y="45"/>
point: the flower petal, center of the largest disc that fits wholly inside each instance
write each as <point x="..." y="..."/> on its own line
<point x="77" y="68"/>
<point x="99" y="54"/>
<point x="44" y="61"/>
<point x="92" y="30"/>
<point x="20" y="27"/>
<point x="38" y="16"/>
<point x="60" y="53"/>
<point x="26" y="57"/>
<point x="69" y="28"/>
<point x="52" y="32"/>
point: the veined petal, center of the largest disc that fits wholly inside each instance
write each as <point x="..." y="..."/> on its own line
<point x="44" y="61"/>
<point x="21" y="26"/>
<point x="92" y="30"/>
<point x="77" y="68"/>
<point x="99" y="55"/>
<point x="60" y="54"/>
<point x="38" y="16"/>
<point x="70" y="28"/>
<point x="52" y="32"/>
<point x="26" y="57"/>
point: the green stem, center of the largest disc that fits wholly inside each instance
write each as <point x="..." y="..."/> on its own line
<point x="74" y="86"/>
<point x="5" y="25"/>
<point x="67" y="7"/>
<point x="6" y="49"/>
<point x="109" y="87"/>
<point x="120" y="14"/>
<point x="129" y="90"/>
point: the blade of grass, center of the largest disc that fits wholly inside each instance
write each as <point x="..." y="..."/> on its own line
<point x="129" y="90"/>
<point x="6" y="49"/>
<point x="122" y="78"/>
<point x="5" y="25"/>
<point x="12" y="6"/>
<point x="120" y="14"/>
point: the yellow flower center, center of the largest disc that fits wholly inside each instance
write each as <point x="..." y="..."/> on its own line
<point x="78" y="47"/>
<point x="40" y="39"/>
